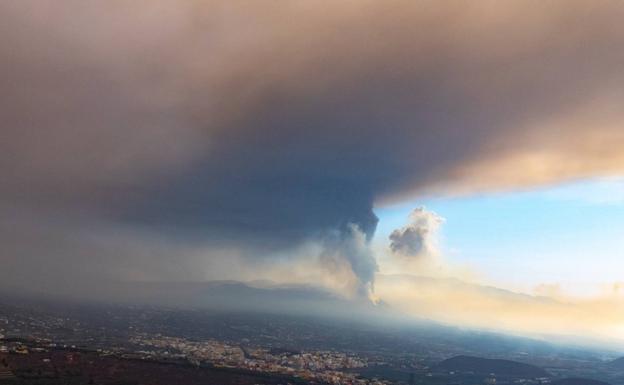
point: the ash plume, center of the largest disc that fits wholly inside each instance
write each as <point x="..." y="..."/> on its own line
<point x="256" y="128"/>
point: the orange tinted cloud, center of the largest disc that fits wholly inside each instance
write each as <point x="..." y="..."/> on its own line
<point x="266" y="126"/>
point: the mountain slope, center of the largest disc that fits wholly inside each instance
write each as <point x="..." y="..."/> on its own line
<point x="578" y="381"/>
<point x="618" y="363"/>
<point x="486" y="366"/>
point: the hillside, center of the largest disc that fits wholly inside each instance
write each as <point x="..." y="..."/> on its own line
<point x="478" y="365"/>
<point x="618" y="363"/>
<point x="579" y="381"/>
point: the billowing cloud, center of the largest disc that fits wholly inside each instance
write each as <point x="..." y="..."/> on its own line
<point x="261" y="127"/>
<point x="419" y="236"/>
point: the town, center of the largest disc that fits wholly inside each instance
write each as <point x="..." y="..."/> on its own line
<point x="41" y="339"/>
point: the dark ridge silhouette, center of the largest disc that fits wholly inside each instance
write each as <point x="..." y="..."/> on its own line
<point x="486" y="366"/>
<point x="578" y="381"/>
<point x="618" y="363"/>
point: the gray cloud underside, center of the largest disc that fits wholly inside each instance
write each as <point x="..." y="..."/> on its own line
<point x="265" y="125"/>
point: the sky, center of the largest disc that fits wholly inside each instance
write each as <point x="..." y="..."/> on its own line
<point x="342" y="146"/>
<point x="525" y="240"/>
<point x="554" y="251"/>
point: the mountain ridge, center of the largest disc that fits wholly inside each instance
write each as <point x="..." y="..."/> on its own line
<point x="488" y="366"/>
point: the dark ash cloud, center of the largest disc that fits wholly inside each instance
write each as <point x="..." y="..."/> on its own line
<point x="260" y="127"/>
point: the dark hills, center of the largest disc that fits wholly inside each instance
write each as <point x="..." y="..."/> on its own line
<point x="578" y="381"/>
<point x="485" y="366"/>
<point x="618" y="363"/>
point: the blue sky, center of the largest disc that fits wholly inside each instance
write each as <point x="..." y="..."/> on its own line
<point x="569" y="234"/>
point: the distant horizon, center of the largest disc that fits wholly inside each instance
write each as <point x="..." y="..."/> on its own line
<point x="318" y="306"/>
